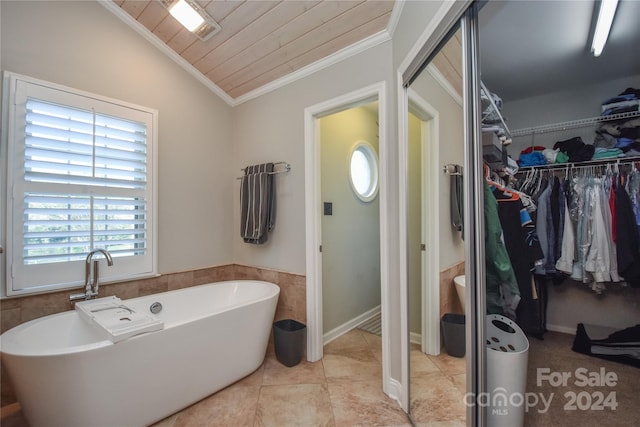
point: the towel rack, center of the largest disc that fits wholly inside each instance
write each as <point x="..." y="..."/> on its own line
<point x="451" y="169"/>
<point x="287" y="168"/>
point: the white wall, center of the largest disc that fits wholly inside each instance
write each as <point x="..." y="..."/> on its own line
<point x="416" y="17"/>
<point x="351" y="235"/>
<point x="272" y="128"/>
<point x="450" y="150"/>
<point x="82" y="45"/>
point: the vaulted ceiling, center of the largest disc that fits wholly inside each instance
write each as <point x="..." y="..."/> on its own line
<point x="262" y="41"/>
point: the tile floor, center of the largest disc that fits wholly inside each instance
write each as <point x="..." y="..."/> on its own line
<point x="343" y="389"/>
<point x="438" y="385"/>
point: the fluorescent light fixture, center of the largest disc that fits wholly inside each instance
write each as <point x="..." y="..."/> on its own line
<point x="606" y="13"/>
<point x="193" y="17"/>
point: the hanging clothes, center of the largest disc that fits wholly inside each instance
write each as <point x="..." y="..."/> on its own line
<point x="601" y="260"/>
<point x="523" y="247"/>
<point x="628" y="241"/>
<point x="633" y="188"/>
<point x="503" y="294"/>
<point x="589" y="229"/>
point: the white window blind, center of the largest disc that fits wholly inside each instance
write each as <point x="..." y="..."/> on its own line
<point x="81" y="179"/>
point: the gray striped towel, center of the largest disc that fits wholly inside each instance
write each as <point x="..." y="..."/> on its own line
<point x="257" y="203"/>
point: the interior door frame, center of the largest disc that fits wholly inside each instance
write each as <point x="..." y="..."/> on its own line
<point x="313" y="219"/>
<point x="430" y="218"/>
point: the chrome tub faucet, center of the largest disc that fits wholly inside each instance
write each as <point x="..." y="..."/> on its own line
<point x="91" y="286"/>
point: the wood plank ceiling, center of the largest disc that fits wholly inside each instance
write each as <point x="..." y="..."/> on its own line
<point x="263" y="40"/>
<point x="449" y="62"/>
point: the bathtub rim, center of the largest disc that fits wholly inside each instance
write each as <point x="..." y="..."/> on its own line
<point x="101" y="342"/>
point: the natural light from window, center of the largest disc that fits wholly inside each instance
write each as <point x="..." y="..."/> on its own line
<point x="364" y="171"/>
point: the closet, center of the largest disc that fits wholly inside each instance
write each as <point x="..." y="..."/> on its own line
<point x="570" y="208"/>
<point x="586" y="252"/>
<point x="547" y="110"/>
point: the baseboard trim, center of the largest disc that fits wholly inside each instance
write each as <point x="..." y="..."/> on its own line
<point x="563" y="329"/>
<point x="394" y="390"/>
<point x="415" y="338"/>
<point x="351" y="324"/>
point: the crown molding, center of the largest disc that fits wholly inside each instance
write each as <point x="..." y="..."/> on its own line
<point x="448" y="87"/>
<point x="341" y="55"/>
<point x="395" y="17"/>
<point x="345" y="53"/>
<point x="153" y="39"/>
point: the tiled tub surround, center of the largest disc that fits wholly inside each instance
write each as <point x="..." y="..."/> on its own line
<point x="449" y="301"/>
<point x="292" y="302"/>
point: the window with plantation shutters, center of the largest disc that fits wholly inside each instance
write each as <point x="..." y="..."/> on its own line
<point x="81" y="177"/>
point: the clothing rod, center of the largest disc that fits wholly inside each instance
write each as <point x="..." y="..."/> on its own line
<point x="287" y="168"/>
<point x="600" y="162"/>
<point x="573" y="124"/>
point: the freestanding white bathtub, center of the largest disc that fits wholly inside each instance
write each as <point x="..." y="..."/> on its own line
<point x="65" y="374"/>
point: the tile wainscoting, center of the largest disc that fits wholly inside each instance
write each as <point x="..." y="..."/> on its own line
<point x="449" y="301"/>
<point x="292" y="303"/>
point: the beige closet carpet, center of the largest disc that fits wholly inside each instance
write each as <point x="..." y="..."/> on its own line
<point x="587" y="397"/>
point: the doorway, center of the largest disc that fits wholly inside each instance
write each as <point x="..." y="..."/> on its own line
<point x="423" y="224"/>
<point x="350" y="220"/>
<point x="315" y="209"/>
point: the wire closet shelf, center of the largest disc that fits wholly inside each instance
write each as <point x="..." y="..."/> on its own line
<point x="573" y="124"/>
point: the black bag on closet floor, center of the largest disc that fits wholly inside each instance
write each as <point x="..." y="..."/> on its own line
<point x="620" y="346"/>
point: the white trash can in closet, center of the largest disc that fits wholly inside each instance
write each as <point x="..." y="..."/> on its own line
<point x="507" y="359"/>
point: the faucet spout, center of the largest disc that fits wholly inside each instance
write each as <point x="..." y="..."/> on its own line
<point x="104" y="252"/>
<point x="91" y="286"/>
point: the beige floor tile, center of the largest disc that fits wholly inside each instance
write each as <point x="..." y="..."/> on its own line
<point x="436" y="398"/>
<point x="352" y="365"/>
<point x="460" y="381"/>
<point x="234" y="406"/>
<point x="167" y="422"/>
<point x="443" y="424"/>
<point x="255" y="378"/>
<point x="421" y="364"/>
<point x="294" y="405"/>
<point x="364" y="404"/>
<point x="275" y="373"/>
<point x="352" y="340"/>
<point x="375" y="344"/>
<point x="449" y="365"/>
<point x="373" y="340"/>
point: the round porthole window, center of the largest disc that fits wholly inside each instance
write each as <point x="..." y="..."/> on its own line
<point x="363" y="171"/>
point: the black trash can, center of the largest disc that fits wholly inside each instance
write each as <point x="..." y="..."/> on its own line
<point x="289" y="337"/>
<point x="453" y="331"/>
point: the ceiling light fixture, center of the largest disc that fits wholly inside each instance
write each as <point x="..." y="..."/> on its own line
<point x="193" y="17"/>
<point x="606" y="12"/>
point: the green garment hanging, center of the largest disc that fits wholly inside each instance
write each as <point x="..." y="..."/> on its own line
<point x="503" y="294"/>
